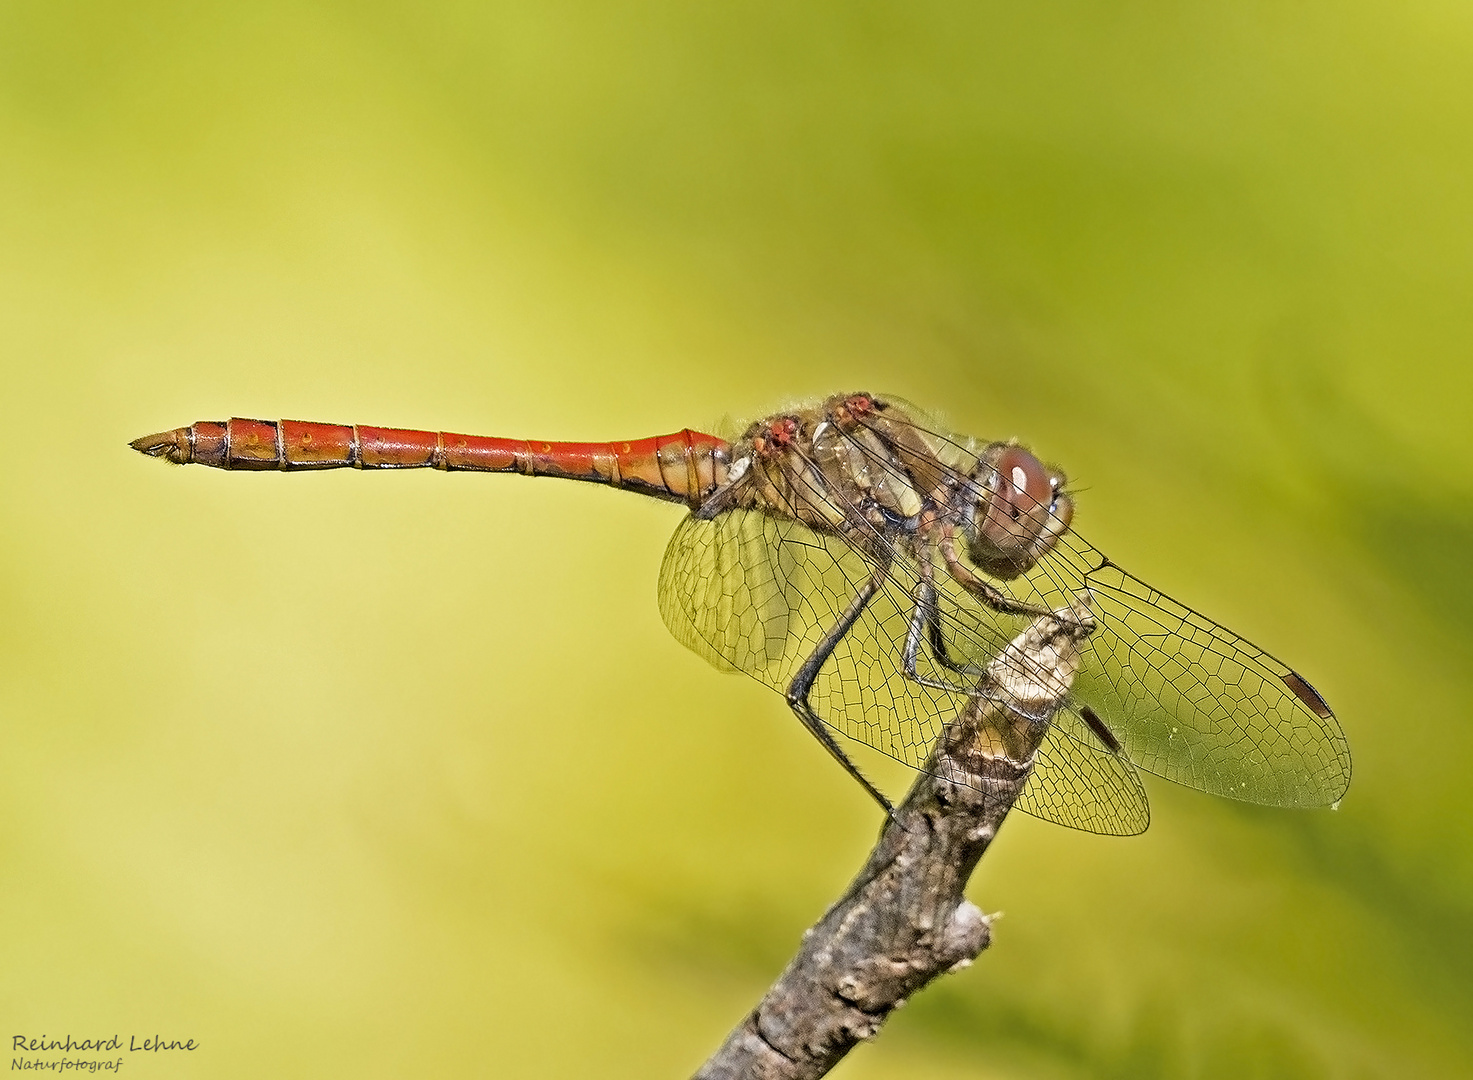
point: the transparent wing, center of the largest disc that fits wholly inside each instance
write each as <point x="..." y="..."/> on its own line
<point x="725" y="592"/>
<point x="1079" y="783"/>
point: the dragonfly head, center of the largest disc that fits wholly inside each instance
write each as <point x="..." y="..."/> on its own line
<point x="1021" y="510"/>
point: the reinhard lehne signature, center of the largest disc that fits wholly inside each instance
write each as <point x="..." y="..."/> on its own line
<point x="44" y="1044"/>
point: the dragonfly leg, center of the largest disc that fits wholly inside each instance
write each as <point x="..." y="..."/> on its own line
<point x="927" y="607"/>
<point x="925" y="617"/>
<point x="802" y="684"/>
<point x="983" y="590"/>
<point x="939" y="649"/>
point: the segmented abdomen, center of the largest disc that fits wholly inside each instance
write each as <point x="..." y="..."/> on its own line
<point x="685" y="466"/>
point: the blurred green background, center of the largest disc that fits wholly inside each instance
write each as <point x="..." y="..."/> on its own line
<point x="387" y="775"/>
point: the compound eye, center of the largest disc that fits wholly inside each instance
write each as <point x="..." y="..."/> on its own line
<point x="1021" y="498"/>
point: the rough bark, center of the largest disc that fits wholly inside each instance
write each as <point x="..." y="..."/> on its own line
<point x="904" y="921"/>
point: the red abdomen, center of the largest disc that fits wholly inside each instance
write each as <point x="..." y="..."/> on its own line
<point x="685" y="466"/>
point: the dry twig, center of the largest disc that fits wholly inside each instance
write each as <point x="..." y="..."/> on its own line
<point x="904" y="920"/>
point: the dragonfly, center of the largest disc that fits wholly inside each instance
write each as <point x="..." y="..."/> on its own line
<point x="868" y="564"/>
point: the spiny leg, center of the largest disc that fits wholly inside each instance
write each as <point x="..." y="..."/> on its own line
<point x="802" y="684"/>
<point x="925" y="616"/>
<point x="939" y="649"/>
<point x="926" y="619"/>
<point x="928" y="608"/>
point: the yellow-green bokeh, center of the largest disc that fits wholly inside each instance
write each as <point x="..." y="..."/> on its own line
<point x="391" y="775"/>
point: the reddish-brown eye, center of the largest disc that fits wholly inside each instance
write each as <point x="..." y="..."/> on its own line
<point x="1021" y="497"/>
<point x="1022" y="511"/>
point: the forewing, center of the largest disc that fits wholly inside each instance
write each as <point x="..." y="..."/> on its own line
<point x="1190" y="700"/>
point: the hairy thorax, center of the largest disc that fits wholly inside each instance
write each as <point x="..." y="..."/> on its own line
<point x="852" y="463"/>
